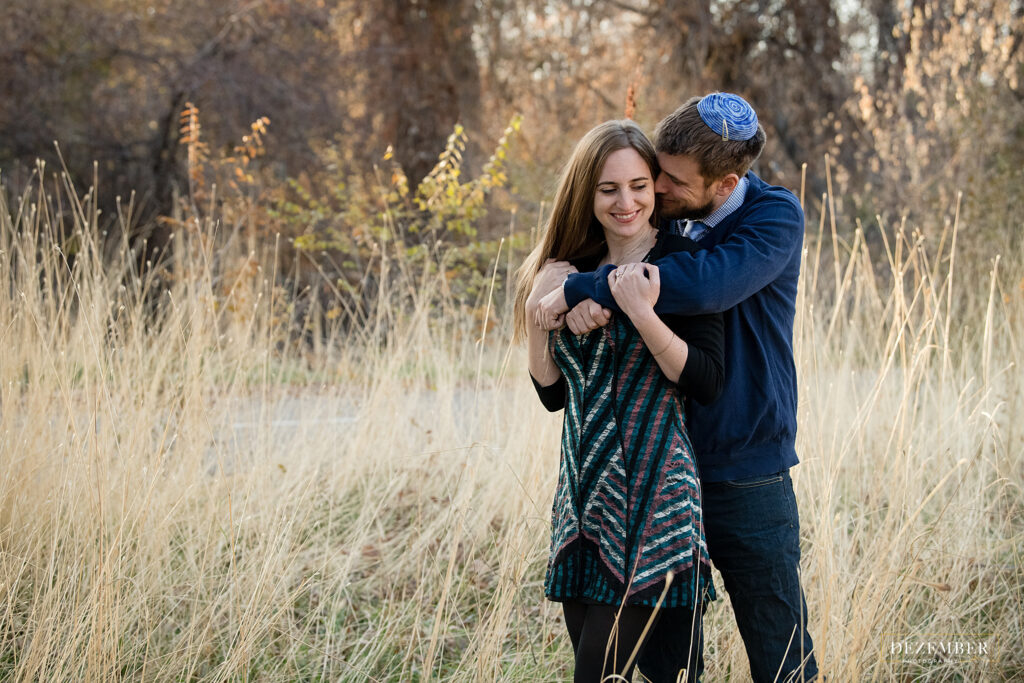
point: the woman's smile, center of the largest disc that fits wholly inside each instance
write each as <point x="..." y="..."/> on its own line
<point x="624" y="199"/>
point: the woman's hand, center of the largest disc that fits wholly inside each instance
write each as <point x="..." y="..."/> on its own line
<point x="635" y="288"/>
<point x="548" y="279"/>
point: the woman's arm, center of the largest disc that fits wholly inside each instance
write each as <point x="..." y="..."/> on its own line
<point x="703" y="376"/>
<point x="635" y="287"/>
<point x="690" y="351"/>
<point x="541" y="364"/>
<point x="669" y="350"/>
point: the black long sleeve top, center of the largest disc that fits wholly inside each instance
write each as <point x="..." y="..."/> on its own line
<point x="703" y="374"/>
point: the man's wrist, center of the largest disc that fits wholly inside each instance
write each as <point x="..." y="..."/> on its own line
<point x="569" y="292"/>
<point x="563" y="302"/>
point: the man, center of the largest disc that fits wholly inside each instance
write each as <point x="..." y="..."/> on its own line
<point x="752" y="237"/>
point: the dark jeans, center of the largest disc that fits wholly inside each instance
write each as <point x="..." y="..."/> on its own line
<point x="753" y="535"/>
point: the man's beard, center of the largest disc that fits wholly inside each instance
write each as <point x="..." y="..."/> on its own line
<point x="689" y="213"/>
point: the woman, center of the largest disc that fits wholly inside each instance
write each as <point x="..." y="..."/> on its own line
<point x="626" y="523"/>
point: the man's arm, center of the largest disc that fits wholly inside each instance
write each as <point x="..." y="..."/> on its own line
<point x="582" y="286"/>
<point x="715" y="280"/>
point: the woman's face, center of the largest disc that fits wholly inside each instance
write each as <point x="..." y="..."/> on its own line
<point x="624" y="200"/>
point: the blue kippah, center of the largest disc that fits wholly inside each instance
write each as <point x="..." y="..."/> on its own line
<point x="728" y="115"/>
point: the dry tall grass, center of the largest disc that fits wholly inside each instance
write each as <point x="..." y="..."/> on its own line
<point x="187" y="494"/>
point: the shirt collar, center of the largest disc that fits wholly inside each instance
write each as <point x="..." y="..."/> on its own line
<point x="734" y="201"/>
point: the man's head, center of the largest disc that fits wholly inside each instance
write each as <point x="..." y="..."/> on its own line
<point x="704" y="148"/>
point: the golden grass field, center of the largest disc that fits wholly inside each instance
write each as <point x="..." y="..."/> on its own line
<point x="188" y="493"/>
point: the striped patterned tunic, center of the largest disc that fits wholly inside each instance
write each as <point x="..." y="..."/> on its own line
<point x="627" y="504"/>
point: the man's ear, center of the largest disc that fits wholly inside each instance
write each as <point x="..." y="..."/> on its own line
<point x="727" y="184"/>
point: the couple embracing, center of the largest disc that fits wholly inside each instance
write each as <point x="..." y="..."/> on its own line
<point x="658" y="310"/>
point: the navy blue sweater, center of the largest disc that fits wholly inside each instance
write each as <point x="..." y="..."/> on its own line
<point x="748" y="271"/>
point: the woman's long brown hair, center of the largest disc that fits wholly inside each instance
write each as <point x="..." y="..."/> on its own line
<point x="572" y="230"/>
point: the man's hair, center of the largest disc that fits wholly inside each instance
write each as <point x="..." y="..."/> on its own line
<point x="683" y="132"/>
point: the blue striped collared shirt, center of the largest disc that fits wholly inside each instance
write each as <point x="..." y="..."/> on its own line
<point x="696" y="229"/>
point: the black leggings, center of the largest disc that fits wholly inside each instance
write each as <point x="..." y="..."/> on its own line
<point x="590" y="628"/>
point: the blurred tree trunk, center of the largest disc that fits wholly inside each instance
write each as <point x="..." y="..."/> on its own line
<point x="891" y="57"/>
<point x="422" y="77"/>
<point x="684" y="27"/>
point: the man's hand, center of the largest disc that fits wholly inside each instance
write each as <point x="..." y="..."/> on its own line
<point x="548" y="281"/>
<point x="551" y="310"/>
<point x="587" y="315"/>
